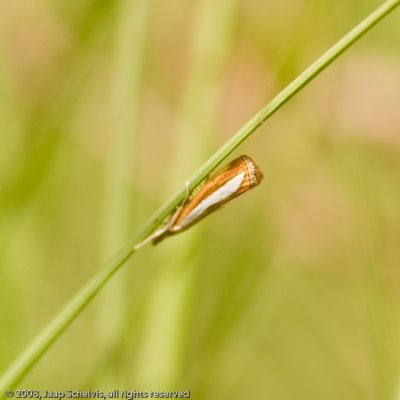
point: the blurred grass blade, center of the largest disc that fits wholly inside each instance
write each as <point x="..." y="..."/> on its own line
<point x="64" y="318"/>
<point x="118" y="200"/>
<point x="165" y="328"/>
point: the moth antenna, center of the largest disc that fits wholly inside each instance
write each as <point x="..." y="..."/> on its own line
<point x="160" y="234"/>
<point x="151" y="238"/>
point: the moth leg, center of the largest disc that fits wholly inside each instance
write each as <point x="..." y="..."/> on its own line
<point x="175" y="216"/>
<point x="187" y="192"/>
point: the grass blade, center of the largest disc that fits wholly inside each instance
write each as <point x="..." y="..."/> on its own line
<point x="65" y="317"/>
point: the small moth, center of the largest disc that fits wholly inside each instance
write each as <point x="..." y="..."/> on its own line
<point x="239" y="176"/>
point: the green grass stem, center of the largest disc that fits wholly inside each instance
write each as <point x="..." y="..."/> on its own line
<point x="64" y="318"/>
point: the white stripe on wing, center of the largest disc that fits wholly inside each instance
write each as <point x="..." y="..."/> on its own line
<point x="216" y="197"/>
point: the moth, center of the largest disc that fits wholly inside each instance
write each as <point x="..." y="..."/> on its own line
<point x="236" y="178"/>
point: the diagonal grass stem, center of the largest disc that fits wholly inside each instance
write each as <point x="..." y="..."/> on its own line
<point x="64" y="318"/>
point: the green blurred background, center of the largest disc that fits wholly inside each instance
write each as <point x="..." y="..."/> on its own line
<point x="291" y="291"/>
